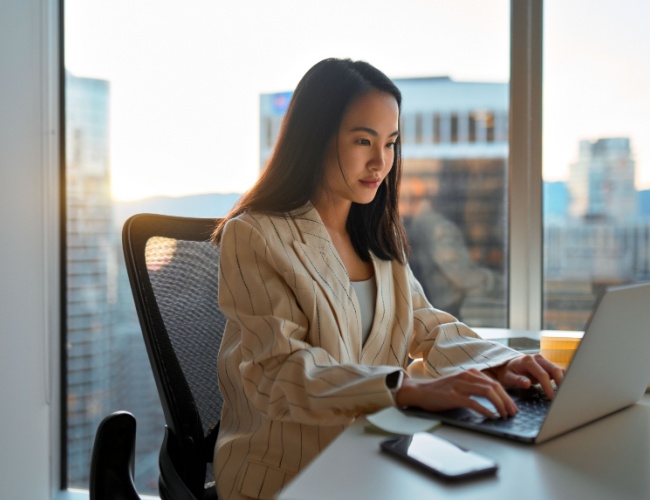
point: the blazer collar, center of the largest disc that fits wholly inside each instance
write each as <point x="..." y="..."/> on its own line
<point x="318" y="246"/>
<point x="311" y="227"/>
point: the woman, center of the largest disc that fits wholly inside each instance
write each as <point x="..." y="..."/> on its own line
<point x="323" y="310"/>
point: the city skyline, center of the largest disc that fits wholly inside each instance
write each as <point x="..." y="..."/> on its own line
<point x="161" y="128"/>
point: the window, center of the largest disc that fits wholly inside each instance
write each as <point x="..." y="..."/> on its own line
<point x="489" y="127"/>
<point x="28" y="63"/>
<point x="596" y="155"/>
<point x="418" y="128"/>
<point x="454" y="126"/>
<point x="181" y="125"/>
<point x="436" y="128"/>
<point x="472" y="132"/>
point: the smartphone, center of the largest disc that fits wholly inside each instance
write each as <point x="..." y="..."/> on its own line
<point x="439" y="456"/>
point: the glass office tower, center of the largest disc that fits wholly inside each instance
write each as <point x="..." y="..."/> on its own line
<point x="90" y="268"/>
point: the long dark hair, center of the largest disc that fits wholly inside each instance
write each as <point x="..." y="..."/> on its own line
<point x="295" y="170"/>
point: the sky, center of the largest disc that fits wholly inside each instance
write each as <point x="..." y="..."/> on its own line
<point x="185" y="77"/>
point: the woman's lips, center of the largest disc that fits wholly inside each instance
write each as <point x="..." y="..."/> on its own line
<point x="371" y="183"/>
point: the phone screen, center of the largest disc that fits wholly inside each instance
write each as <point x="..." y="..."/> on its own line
<point x="439" y="456"/>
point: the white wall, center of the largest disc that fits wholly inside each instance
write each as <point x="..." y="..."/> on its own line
<point x="28" y="247"/>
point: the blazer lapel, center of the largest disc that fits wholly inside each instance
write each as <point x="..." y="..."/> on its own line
<point x="320" y="258"/>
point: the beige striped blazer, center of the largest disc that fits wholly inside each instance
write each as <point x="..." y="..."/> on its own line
<point x="292" y="369"/>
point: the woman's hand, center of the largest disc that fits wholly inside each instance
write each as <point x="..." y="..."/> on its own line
<point x="455" y="391"/>
<point x="526" y="370"/>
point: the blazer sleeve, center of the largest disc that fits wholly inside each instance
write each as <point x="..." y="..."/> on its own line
<point x="446" y="345"/>
<point x="283" y="375"/>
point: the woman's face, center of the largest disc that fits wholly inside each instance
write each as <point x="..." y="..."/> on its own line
<point x="361" y="155"/>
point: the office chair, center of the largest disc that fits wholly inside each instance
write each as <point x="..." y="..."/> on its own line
<point x="173" y="272"/>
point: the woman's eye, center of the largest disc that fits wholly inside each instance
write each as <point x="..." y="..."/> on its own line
<point x="391" y="145"/>
<point x="364" y="142"/>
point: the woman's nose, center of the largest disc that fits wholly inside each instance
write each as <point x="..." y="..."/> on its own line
<point x="378" y="160"/>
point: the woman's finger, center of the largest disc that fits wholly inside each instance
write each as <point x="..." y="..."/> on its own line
<point x="556" y="373"/>
<point x="536" y="371"/>
<point x="479" y="408"/>
<point x="491" y="390"/>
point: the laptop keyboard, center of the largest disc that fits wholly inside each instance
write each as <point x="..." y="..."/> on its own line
<point x="532" y="403"/>
<point x="533" y="407"/>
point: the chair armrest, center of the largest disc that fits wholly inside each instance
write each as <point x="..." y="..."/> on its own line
<point x="111" y="465"/>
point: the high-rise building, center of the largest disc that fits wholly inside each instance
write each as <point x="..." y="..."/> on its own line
<point x="90" y="268"/>
<point x="601" y="181"/>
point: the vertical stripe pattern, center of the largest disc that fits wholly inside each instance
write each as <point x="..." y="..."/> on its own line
<point x="292" y="370"/>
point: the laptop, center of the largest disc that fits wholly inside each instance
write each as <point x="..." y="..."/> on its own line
<point x="609" y="371"/>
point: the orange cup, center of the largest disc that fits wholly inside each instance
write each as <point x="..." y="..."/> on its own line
<point x="559" y="347"/>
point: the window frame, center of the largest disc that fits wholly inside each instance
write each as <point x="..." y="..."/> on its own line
<point x="525" y="244"/>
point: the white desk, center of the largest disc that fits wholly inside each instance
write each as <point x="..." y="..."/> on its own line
<point x="607" y="459"/>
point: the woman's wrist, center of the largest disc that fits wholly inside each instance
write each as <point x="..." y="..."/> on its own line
<point x="497" y="371"/>
<point x="394" y="383"/>
<point x="403" y="397"/>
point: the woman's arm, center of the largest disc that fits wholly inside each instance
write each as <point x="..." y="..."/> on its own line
<point x="466" y="365"/>
<point x="446" y="345"/>
<point x="456" y="391"/>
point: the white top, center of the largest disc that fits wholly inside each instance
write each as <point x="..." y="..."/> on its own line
<point x="367" y="295"/>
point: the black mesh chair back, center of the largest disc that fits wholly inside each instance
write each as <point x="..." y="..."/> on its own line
<point x="173" y="271"/>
